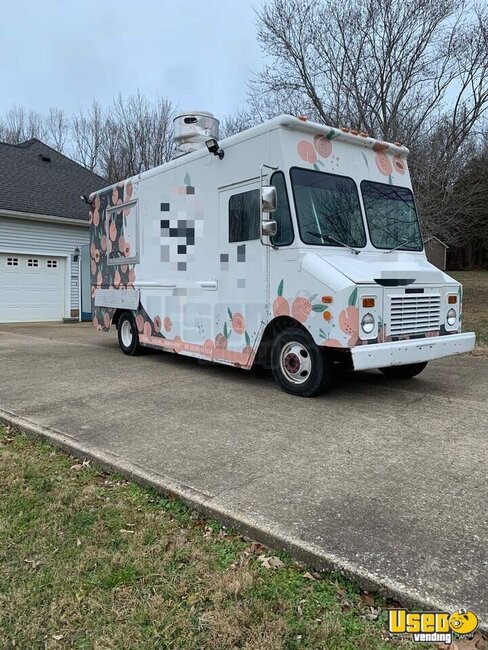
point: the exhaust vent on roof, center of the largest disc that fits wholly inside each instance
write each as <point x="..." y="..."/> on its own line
<point x="192" y="128"/>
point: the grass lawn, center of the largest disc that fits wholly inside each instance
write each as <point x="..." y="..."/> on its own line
<point x="89" y="560"/>
<point x="475" y="306"/>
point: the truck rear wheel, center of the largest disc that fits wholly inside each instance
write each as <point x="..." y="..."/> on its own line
<point x="128" y="336"/>
<point x="404" y="372"/>
<point x="299" y="366"/>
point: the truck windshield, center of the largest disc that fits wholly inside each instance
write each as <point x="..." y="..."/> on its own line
<point x="391" y="216"/>
<point x="327" y="206"/>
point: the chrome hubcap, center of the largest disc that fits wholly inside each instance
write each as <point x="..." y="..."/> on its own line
<point x="295" y="362"/>
<point x="126" y="333"/>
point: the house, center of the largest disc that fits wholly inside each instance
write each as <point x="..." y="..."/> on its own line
<point x="436" y="251"/>
<point x="43" y="229"/>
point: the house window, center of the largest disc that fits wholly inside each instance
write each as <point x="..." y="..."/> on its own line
<point x="122" y="233"/>
<point x="52" y="264"/>
<point x="244" y="216"/>
<point x="12" y="261"/>
<point x="32" y="262"/>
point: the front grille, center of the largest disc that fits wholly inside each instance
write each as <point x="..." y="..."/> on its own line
<point x="411" y="314"/>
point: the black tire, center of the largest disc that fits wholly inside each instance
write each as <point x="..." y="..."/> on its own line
<point x="404" y="372"/>
<point x="128" y="335"/>
<point x="299" y="366"/>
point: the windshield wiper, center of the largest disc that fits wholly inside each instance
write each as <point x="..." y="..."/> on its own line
<point x="404" y="242"/>
<point x="337" y="241"/>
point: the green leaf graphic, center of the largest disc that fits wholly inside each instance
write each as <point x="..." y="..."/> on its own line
<point x="312" y="298"/>
<point x="248" y="338"/>
<point x="187" y="179"/>
<point x="229" y="312"/>
<point x="280" y="288"/>
<point x="353" y="297"/>
<point x="365" y="159"/>
<point x="226" y="333"/>
<point x="319" y="308"/>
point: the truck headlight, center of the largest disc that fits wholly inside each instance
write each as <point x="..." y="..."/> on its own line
<point x="367" y="323"/>
<point x="451" y="317"/>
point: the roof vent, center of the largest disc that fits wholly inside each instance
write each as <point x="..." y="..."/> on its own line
<point x="44" y="158"/>
<point x="192" y="128"/>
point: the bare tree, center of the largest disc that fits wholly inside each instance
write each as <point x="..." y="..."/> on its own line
<point x="57" y="128"/>
<point x="89" y="136"/>
<point x="20" y="125"/>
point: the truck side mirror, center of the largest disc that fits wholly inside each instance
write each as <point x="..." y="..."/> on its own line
<point x="268" y="198"/>
<point x="269" y="228"/>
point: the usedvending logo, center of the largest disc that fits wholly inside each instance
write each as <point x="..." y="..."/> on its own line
<point x="432" y="627"/>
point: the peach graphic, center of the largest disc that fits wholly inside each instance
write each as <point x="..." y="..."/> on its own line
<point x="97" y="257"/>
<point x="129" y="188"/>
<point x="126" y="249"/>
<point x="99" y="279"/>
<point x="103" y="243"/>
<point x="349" y="323"/>
<point x="398" y="164"/>
<point x="323" y="145"/>
<point x="132" y="276"/>
<point x="93" y="267"/>
<point x="117" y="279"/>
<point x="168" y="324"/>
<point x="301" y="308"/>
<point x="95" y="322"/>
<point x="221" y="342"/>
<point x="208" y="347"/>
<point x="238" y="323"/>
<point x="306" y="151"/>
<point x="115" y="196"/>
<point x="379" y="145"/>
<point x="140" y="322"/>
<point x="97" y="202"/>
<point x="147" y="329"/>
<point x="90" y="217"/>
<point x="383" y="163"/>
<point x="157" y="324"/>
<point x="96" y="217"/>
<point x="121" y="243"/>
<point x="106" y="320"/>
<point x="333" y="343"/>
<point x="112" y="231"/>
<point x="92" y="249"/>
<point x="281" y="307"/>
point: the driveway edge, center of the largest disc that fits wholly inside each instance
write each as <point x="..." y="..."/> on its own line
<point x="270" y="535"/>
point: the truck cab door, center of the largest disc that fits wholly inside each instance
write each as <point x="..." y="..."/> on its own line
<point x="243" y="279"/>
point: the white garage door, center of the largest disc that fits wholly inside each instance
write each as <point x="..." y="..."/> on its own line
<point x="32" y="288"/>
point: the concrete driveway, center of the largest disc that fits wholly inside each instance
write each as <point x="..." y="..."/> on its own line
<point x="384" y="480"/>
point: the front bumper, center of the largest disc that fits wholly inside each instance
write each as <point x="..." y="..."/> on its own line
<point x="400" y="353"/>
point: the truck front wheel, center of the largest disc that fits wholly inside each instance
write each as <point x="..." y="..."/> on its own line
<point x="404" y="372"/>
<point x="299" y="366"/>
<point x="128" y="336"/>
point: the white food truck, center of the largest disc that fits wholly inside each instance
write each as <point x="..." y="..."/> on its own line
<point x="292" y="244"/>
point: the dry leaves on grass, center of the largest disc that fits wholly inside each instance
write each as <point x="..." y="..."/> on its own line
<point x="312" y="576"/>
<point x="271" y="562"/>
<point x="476" y="643"/>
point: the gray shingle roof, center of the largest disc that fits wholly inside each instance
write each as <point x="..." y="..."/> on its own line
<point x="30" y="184"/>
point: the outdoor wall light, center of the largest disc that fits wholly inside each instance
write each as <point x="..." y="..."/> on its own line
<point x="76" y="254"/>
<point x="85" y="198"/>
<point x="213" y="147"/>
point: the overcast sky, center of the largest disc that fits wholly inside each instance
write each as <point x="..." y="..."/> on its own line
<point x="62" y="53"/>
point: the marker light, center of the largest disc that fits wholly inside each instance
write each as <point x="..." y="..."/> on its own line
<point x="368" y="302"/>
<point x="452" y="300"/>
<point x="367" y="323"/>
<point x="327" y="299"/>
<point x="451" y="317"/>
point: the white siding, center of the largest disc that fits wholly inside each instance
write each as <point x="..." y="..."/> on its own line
<point x="22" y="235"/>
